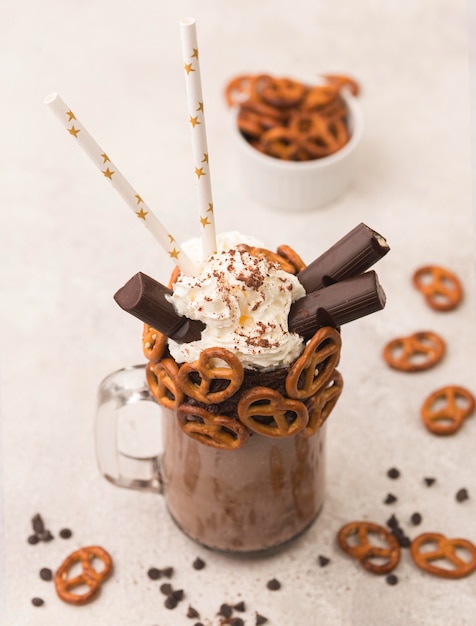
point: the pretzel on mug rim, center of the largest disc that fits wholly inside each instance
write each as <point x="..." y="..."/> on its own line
<point x="197" y="379"/>
<point x="416" y="352"/>
<point x="364" y="550"/>
<point x="267" y="412"/>
<point x="441" y="288"/>
<point x="445" y="410"/>
<point x="321" y="404"/>
<point x="445" y="549"/>
<point x="154" y="343"/>
<point x="272" y="257"/>
<point x="287" y="253"/>
<point x="89" y="576"/>
<point x="315" y="367"/>
<point x="162" y="378"/>
<point x="217" y="431"/>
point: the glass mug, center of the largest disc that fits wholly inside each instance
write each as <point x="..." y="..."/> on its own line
<point x="246" y="500"/>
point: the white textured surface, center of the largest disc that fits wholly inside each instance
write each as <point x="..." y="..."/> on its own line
<point x="68" y="243"/>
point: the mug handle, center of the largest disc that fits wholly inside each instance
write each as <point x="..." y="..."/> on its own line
<point x="120" y="389"/>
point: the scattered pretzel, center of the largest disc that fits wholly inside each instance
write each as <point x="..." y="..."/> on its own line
<point x="153" y="343"/>
<point x="162" y="379"/>
<point x="293" y="257"/>
<point x="441" y="288"/>
<point x="445" y="549"/>
<point x="321" y="404"/>
<point x="416" y="352"/>
<point x="314" y="368"/>
<point x="267" y="412"/>
<point x="445" y="410"/>
<point x="208" y="382"/>
<point x="217" y="431"/>
<point x="363" y="550"/>
<point x="89" y="576"/>
<point x="271" y="257"/>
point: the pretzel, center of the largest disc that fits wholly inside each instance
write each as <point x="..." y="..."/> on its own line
<point x="445" y="410"/>
<point x="271" y="257"/>
<point x="282" y="92"/>
<point x="88" y="576"/>
<point x="162" y="379"/>
<point x="200" y="379"/>
<point x="441" y="288"/>
<point x="320" y="96"/>
<point x="321" y="404"/>
<point x="364" y="550"/>
<point x="293" y="257"/>
<point x="445" y="549"/>
<point x="268" y="412"/>
<point x="238" y="89"/>
<point x="343" y="81"/>
<point x="416" y="352"/>
<point x="314" y="368"/>
<point x="217" y="431"/>
<point x="153" y="343"/>
<point x="253" y="124"/>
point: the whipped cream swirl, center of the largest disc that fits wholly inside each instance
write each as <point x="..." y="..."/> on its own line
<point x="244" y="302"/>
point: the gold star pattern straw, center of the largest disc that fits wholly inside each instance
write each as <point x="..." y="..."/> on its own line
<point x="190" y="52"/>
<point x="120" y="184"/>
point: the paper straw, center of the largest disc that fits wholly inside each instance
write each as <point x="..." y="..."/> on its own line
<point x="120" y="184"/>
<point x="198" y="132"/>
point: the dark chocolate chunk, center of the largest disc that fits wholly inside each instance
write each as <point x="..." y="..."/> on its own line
<point x="46" y="574"/>
<point x="391" y="579"/>
<point x="65" y="533"/>
<point x="350" y="256"/>
<point x="37" y="601"/>
<point x="144" y="297"/>
<point x="462" y="495"/>
<point x="225" y="610"/>
<point x="192" y="613"/>
<point x="33" y="539"/>
<point x="390" y="499"/>
<point x="429" y="481"/>
<point x="198" y="563"/>
<point x="154" y="573"/>
<point x="337" y="304"/>
<point x="260" y="620"/>
<point x="393" y="473"/>
<point x="416" y="519"/>
<point x="273" y="584"/>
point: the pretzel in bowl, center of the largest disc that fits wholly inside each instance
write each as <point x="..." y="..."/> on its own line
<point x="268" y="412"/>
<point x="162" y="379"/>
<point x="321" y="404"/>
<point x="217" y="431"/>
<point x="440" y="287"/>
<point x="89" y="576"/>
<point x="445" y="551"/>
<point x="416" y="352"/>
<point x="355" y="539"/>
<point x="343" y="81"/>
<point x="206" y="380"/>
<point x="445" y="410"/>
<point x="314" y="368"/>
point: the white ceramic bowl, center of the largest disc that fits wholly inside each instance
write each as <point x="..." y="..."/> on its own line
<point x="303" y="185"/>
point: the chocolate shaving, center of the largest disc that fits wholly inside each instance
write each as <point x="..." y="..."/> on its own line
<point x="350" y="256"/>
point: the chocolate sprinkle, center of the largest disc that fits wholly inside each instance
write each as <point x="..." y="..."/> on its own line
<point x="38" y="524"/>
<point x="391" y="579"/>
<point x="462" y="495"/>
<point x="393" y="473"/>
<point x="37" y="601"/>
<point x="198" y="563"/>
<point x="46" y="573"/>
<point x="273" y="584"/>
<point x="390" y="499"/>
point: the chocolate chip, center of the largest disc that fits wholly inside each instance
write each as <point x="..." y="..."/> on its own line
<point x="198" y="563"/>
<point x="37" y="601"/>
<point x="260" y="619"/>
<point x="392" y="522"/>
<point x="462" y="495"/>
<point x="192" y="612"/>
<point x="168" y="572"/>
<point x="392" y="579"/>
<point x="178" y="594"/>
<point x="65" y="533"/>
<point x="273" y="584"/>
<point x="45" y="536"/>
<point x="236" y="621"/>
<point x="393" y="472"/>
<point x="46" y="573"/>
<point x="240" y="607"/>
<point x="323" y="560"/>
<point x="416" y="519"/>
<point x="390" y="499"/>
<point x="38" y="523"/>
<point x="154" y="573"/>
<point x="225" y="610"/>
<point x="33" y="539"/>
<point x="170" y="602"/>
<point x="198" y="624"/>
<point x="166" y="589"/>
<point x="429" y="481"/>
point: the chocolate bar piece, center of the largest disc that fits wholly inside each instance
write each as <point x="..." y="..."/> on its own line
<point x="337" y="304"/>
<point x="144" y="297"/>
<point x="350" y="256"/>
